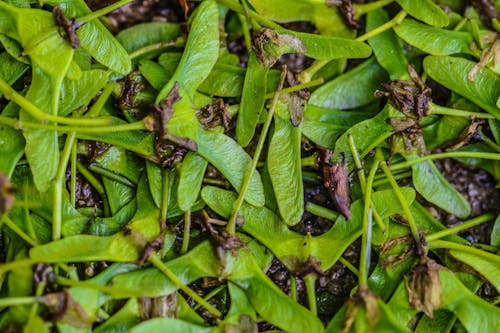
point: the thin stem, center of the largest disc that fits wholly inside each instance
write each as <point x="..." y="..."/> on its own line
<point x="239" y="9"/>
<point x="298" y="87"/>
<point x="364" y="261"/>
<point x="451" y="154"/>
<point x="490" y="143"/>
<point x="58" y="184"/>
<point x="156" y="261"/>
<point x="463" y="226"/>
<point x="310" y="282"/>
<point x="440" y="244"/>
<point x="111" y="175"/>
<point x="96" y="108"/>
<point x="442" y="110"/>
<point x="74" y="157"/>
<point x="210" y="295"/>
<point x="102" y="11"/>
<point x="399" y="176"/>
<point x="12" y="301"/>
<point x="177" y="42"/>
<point x="386" y="26"/>
<point x="321" y="211"/>
<point x="357" y="162"/>
<point x="165" y="197"/>
<point x="231" y="225"/>
<point x="361" y="9"/>
<point x="18" y="231"/>
<point x="350" y="266"/>
<point x="306" y="75"/>
<point x="246" y="33"/>
<point x="293" y="287"/>
<point x="187" y="230"/>
<point x="43" y="117"/>
<point x="113" y="291"/>
<point x="96" y="184"/>
<point x="309" y="161"/>
<point x="402" y="201"/>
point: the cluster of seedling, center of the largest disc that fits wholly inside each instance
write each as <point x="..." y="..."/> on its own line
<point x="163" y="123"/>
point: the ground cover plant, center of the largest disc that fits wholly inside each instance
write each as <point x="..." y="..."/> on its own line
<point x="215" y="166"/>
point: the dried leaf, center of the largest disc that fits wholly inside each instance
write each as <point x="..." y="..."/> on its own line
<point x="424" y="288"/>
<point x="69" y="26"/>
<point x="336" y="181"/>
<point x="6" y="194"/>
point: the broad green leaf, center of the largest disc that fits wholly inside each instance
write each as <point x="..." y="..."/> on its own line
<point x="386" y="47"/>
<point x="426" y="11"/>
<point x="232" y="161"/>
<point x="487" y="268"/>
<point x="444" y="130"/>
<point x="191" y="176"/>
<point x="11" y="69"/>
<point x="433" y="40"/>
<point x="431" y="184"/>
<point x="224" y="81"/>
<point x="252" y="100"/>
<point x="453" y="73"/>
<point x="495" y="233"/>
<point x="169" y="325"/>
<point x="155" y="74"/>
<point x="474" y="313"/>
<point x="352" y="89"/>
<point x="123" y="320"/>
<point x="201" y="51"/>
<point x="78" y="93"/>
<point x="11" y="142"/>
<point x="144" y="34"/>
<point x="285" y="170"/>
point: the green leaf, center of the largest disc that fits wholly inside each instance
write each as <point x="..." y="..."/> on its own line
<point x="201" y="51"/>
<point x="495" y="233"/>
<point x="232" y="161"/>
<point x="487" y="268"/>
<point x="426" y="11"/>
<point x="453" y="73"/>
<point x="474" y="313"/>
<point x="433" y="40"/>
<point x="144" y="34"/>
<point x="386" y="47"/>
<point x="252" y="100"/>
<point x="224" y="80"/>
<point x="191" y="176"/>
<point x="285" y="170"/>
<point x="169" y="325"/>
<point x="11" y="69"/>
<point x="352" y="89"/>
<point x="429" y="182"/>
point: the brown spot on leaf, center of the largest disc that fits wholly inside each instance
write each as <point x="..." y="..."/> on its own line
<point x="347" y="10"/>
<point x="152" y="247"/>
<point x="63" y="308"/>
<point x="424" y="288"/>
<point x="130" y="87"/>
<point x="214" y="115"/>
<point x="336" y="181"/>
<point x="6" y="194"/>
<point x="159" y="307"/>
<point x="410" y="97"/>
<point x="311" y="266"/>
<point x="470" y="133"/>
<point x="69" y="27"/>
<point x="367" y="299"/>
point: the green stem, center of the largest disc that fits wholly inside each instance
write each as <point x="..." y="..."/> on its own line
<point x="96" y="108"/>
<point x="231" y="225"/>
<point x="310" y="282"/>
<point x="386" y="26"/>
<point x="298" y="87"/>
<point x="365" y="257"/>
<point x="293" y="287"/>
<point x="177" y="42"/>
<point x="451" y="154"/>
<point x="102" y="11"/>
<point x="58" y="184"/>
<point x="401" y="199"/>
<point x="111" y="175"/>
<point x="186" y="233"/>
<point x="321" y="211"/>
<point x="442" y="110"/>
<point x="165" y="197"/>
<point x="96" y="184"/>
<point x="246" y="32"/>
<point x="357" y="162"/>
<point x="306" y="75"/>
<point x="156" y="261"/>
<point x="234" y="6"/>
<point x="12" y="301"/>
<point x="361" y="9"/>
<point x="43" y="117"/>
<point x="13" y="265"/>
<point x="210" y="295"/>
<point x="74" y="157"/>
<point x="113" y="291"/>
<point x="463" y="226"/>
<point x="399" y="176"/>
<point x="349" y="266"/>
<point x="490" y="143"/>
<point x="20" y="125"/>
<point x="18" y="231"/>
<point x="309" y="161"/>
<point x="440" y="244"/>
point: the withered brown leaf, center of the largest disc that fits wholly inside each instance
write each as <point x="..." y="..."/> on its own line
<point x="424" y="288"/>
<point x="69" y="27"/>
<point x="336" y="181"/>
